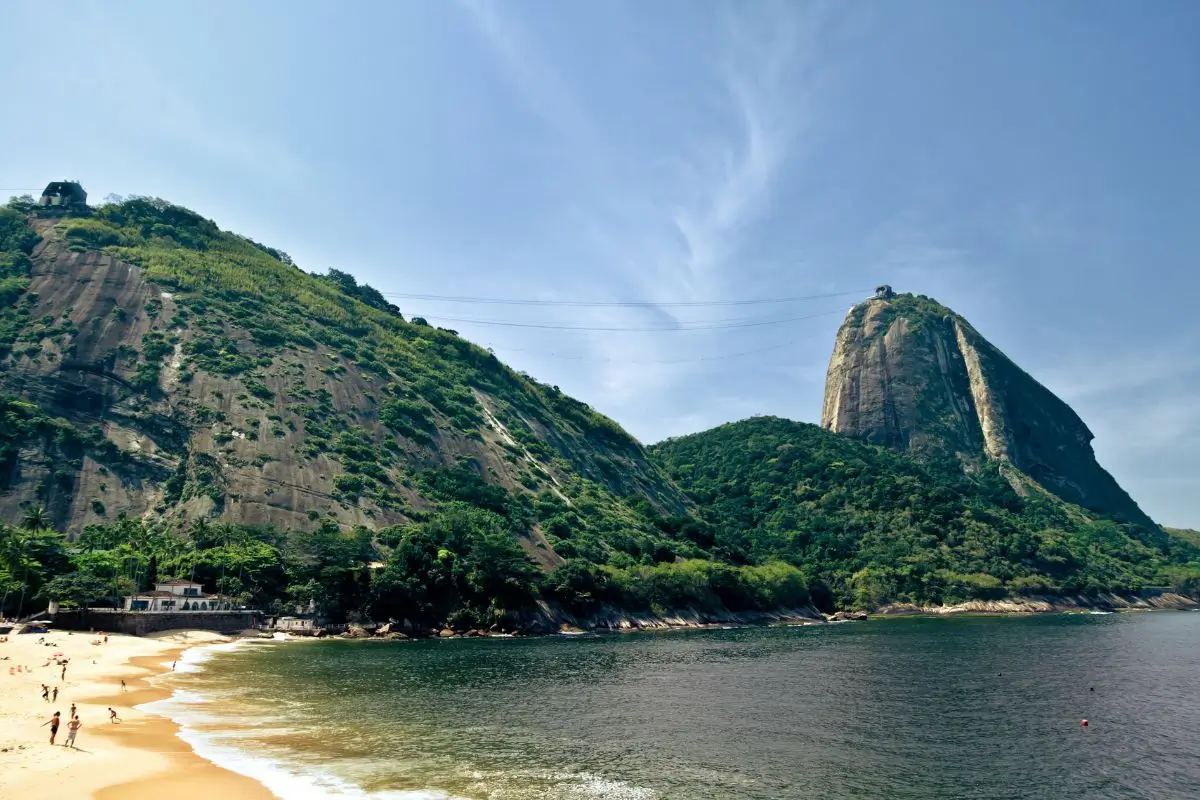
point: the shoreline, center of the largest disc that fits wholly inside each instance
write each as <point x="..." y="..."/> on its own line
<point x="187" y="770"/>
<point x="141" y="757"/>
<point x="148" y="755"/>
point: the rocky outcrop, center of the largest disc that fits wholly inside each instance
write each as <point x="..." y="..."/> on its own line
<point x="1101" y="603"/>
<point x="910" y="374"/>
<point x="164" y="427"/>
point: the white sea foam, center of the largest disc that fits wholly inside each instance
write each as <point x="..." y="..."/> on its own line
<point x="283" y="779"/>
<point x="290" y="780"/>
<point x="192" y="659"/>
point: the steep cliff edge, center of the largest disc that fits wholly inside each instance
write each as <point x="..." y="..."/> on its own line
<point x="154" y="366"/>
<point x="910" y="374"/>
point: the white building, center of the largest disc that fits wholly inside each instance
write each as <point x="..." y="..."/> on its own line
<point x="177" y="595"/>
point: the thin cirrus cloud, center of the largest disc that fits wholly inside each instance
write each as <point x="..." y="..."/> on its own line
<point x="675" y="234"/>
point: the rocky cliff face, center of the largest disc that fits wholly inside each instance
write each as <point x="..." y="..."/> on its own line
<point x="910" y="374"/>
<point x="142" y="394"/>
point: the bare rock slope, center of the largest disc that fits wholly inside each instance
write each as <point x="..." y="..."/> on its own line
<point x="910" y="374"/>
<point x="190" y="374"/>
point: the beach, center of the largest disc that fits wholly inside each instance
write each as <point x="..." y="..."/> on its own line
<point x="141" y="756"/>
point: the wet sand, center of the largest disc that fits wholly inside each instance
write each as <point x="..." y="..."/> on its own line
<point x="139" y="757"/>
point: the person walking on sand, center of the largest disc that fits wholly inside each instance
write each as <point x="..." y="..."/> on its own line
<point x="46" y="693"/>
<point x="72" y="729"/>
<point x="55" y="694"/>
<point x="72" y="710"/>
<point x="63" y="677"/>
<point x="112" y="715"/>
<point x="53" y="723"/>
<point x="124" y="688"/>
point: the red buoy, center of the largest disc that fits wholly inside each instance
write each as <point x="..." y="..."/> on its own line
<point x="1083" y="723"/>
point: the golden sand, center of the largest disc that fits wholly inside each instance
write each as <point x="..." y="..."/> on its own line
<point x="139" y="757"/>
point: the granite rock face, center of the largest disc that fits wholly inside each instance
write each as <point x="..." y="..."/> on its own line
<point x="179" y="441"/>
<point x="910" y="374"/>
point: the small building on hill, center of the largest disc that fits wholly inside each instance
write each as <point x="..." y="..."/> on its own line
<point x="64" y="196"/>
<point x="177" y="595"/>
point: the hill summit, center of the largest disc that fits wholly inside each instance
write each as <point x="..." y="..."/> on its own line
<point x="178" y="401"/>
<point x="910" y="374"/>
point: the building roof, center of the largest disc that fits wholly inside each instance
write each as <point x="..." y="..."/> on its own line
<point x="177" y="582"/>
<point x="144" y="595"/>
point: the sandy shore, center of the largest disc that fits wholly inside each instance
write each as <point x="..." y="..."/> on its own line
<point x="139" y="757"/>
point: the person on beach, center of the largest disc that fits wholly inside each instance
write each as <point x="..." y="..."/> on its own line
<point x="72" y="729"/>
<point x="112" y="715"/>
<point x="53" y="723"/>
<point x="72" y="710"/>
<point x="124" y="688"/>
<point x="46" y="693"/>
<point x="55" y="700"/>
<point x="63" y="677"/>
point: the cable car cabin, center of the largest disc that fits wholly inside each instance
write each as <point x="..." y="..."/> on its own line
<point x="63" y="197"/>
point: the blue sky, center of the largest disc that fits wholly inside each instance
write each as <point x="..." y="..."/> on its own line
<point x="1033" y="165"/>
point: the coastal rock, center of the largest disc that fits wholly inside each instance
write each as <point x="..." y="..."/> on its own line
<point x="355" y="632"/>
<point x="910" y="374"/>
<point x="1094" y="603"/>
<point x="446" y="633"/>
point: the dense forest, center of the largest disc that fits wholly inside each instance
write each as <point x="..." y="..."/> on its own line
<point x="289" y="439"/>
<point x="874" y="525"/>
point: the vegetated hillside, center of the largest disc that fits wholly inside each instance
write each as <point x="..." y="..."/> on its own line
<point x="206" y="376"/>
<point x="909" y="373"/>
<point x="869" y="525"/>
<point x="1185" y="534"/>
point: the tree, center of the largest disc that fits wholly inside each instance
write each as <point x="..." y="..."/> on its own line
<point x="35" y="518"/>
<point x="28" y="556"/>
<point x="75" y="589"/>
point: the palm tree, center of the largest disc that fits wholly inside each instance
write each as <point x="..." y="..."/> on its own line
<point x="16" y="557"/>
<point x="10" y="558"/>
<point x="36" y="518"/>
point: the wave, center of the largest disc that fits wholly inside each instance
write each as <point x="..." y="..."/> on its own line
<point x="215" y="737"/>
<point x="283" y="779"/>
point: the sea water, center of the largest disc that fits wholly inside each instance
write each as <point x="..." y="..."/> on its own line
<point x="982" y="707"/>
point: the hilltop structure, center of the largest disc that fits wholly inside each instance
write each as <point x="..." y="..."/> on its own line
<point x="63" y="197"/>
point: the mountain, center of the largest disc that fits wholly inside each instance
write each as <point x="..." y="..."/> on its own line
<point x="154" y="366"/>
<point x="181" y="401"/>
<point x="870" y="524"/>
<point x="910" y="374"/>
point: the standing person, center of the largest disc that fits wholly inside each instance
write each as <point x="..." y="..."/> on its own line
<point x="63" y="677"/>
<point x="123" y="686"/>
<point x="112" y="715"/>
<point x="55" y="694"/>
<point x="72" y="710"/>
<point x="73" y="728"/>
<point x="53" y="723"/>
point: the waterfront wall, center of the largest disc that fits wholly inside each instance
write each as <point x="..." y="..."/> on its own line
<point x="141" y="623"/>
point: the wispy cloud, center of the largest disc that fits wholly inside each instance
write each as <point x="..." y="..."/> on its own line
<point x="677" y="231"/>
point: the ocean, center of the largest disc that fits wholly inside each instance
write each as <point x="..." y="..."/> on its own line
<point x="921" y="708"/>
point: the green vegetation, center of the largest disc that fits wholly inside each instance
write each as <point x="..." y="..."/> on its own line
<point x="495" y="493"/>
<point x="16" y="243"/>
<point x="870" y="526"/>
